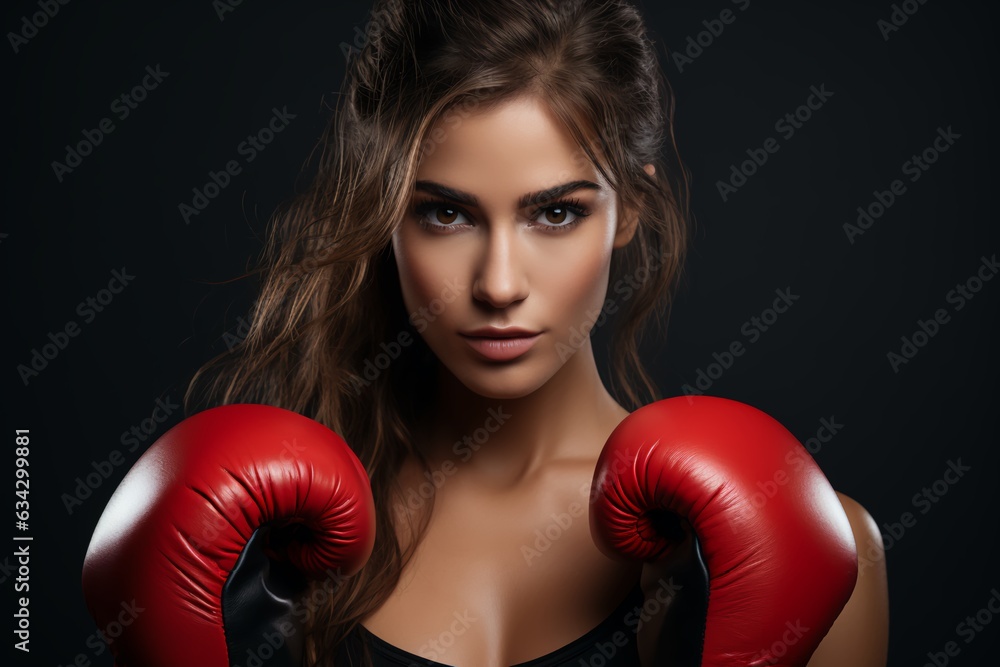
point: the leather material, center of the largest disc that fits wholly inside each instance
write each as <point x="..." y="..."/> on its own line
<point x="683" y="630"/>
<point x="262" y="608"/>
<point x="189" y="510"/>
<point x="774" y="537"/>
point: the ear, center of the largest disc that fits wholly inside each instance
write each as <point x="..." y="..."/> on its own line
<point x="629" y="221"/>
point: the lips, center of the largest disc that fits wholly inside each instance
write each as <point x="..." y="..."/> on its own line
<point x="501" y="344"/>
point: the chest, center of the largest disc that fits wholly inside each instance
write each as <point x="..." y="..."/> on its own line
<point x="502" y="577"/>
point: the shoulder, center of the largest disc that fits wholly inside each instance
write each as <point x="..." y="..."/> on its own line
<point x="860" y="634"/>
<point x="867" y="536"/>
<point x="862" y="523"/>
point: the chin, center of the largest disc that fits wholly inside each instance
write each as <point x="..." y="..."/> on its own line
<point x="500" y="393"/>
<point x="502" y="381"/>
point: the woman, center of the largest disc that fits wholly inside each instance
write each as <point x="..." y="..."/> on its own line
<point x="497" y="174"/>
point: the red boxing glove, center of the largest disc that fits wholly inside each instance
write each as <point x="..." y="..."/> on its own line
<point x="205" y="547"/>
<point x="776" y="562"/>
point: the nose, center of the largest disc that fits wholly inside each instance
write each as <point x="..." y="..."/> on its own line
<point x="500" y="279"/>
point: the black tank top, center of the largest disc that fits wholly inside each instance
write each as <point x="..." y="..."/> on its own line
<point x="610" y="644"/>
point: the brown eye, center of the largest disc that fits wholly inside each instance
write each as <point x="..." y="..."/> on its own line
<point x="556" y="215"/>
<point x="446" y="215"/>
<point x="561" y="216"/>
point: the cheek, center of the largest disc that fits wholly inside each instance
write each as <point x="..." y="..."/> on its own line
<point x="428" y="273"/>
<point x="574" y="277"/>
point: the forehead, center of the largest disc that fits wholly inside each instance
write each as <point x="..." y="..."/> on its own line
<point x="519" y="141"/>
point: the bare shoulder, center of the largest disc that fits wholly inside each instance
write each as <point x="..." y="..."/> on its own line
<point x="861" y="521"/>
<point x="860" y="635"/>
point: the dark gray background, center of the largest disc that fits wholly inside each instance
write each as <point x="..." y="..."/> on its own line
<point x="824" y="358"/>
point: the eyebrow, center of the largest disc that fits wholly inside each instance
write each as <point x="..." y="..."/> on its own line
<point x="467" y="199"/>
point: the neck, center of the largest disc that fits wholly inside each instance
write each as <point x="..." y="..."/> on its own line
<point x="505" y="439"/>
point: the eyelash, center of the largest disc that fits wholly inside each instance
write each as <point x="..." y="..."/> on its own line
<point x="574" y="206"/>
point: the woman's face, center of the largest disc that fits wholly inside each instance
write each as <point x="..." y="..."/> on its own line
<point x="479" y="248"/>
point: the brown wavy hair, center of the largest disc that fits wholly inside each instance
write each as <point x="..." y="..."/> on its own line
<point x="330" y="294"/>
